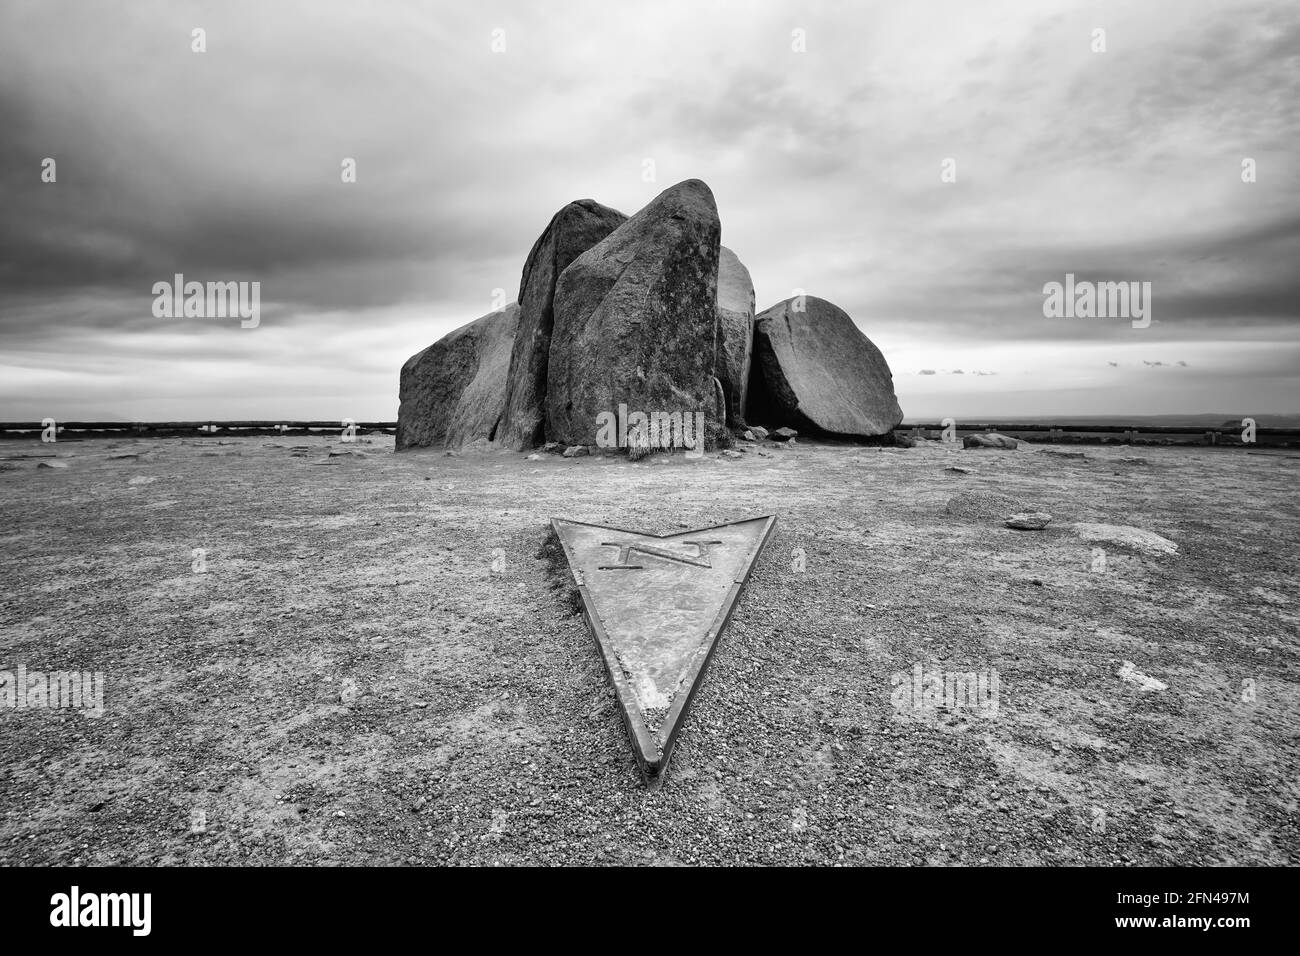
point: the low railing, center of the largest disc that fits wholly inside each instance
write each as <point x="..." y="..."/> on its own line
<point x="196" y="429"/>
<point x="1031" y="432"/>
<point x="1122" y="434"/>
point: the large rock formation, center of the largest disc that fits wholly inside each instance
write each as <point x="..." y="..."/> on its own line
<point x="454" y="392"/>
<point x="735" y="333"/>
<point x="815" y="368"/>
<point x="636" y="318"/>
<point x="572" y="231"/>
<point x="643" y="318"/>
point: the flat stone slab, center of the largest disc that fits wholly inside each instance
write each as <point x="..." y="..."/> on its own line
<point x="1128" y="671"/>
<point x="657" y="606"/>
<point x="989" y="441"/>
<point x="1138" y="538"/>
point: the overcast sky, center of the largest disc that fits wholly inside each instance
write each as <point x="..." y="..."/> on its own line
<point x="826" y="166"/>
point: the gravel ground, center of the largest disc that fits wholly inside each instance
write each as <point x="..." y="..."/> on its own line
<point x="380" y="664"/>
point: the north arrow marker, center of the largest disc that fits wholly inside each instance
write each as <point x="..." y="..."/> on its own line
<point x="657" y="605"/>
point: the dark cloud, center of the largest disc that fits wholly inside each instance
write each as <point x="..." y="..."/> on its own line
<point x="826" y="167"/>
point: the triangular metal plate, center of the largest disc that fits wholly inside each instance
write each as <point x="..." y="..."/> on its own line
<point x="656" y="605"/>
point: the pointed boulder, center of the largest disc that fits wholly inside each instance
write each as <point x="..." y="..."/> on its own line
<point x="814" y="369"/>
<point x="453" y="392"/>
<point x="636" y="319"/>
<point x="735" y="333"/>
<point x="572" y="231"/>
